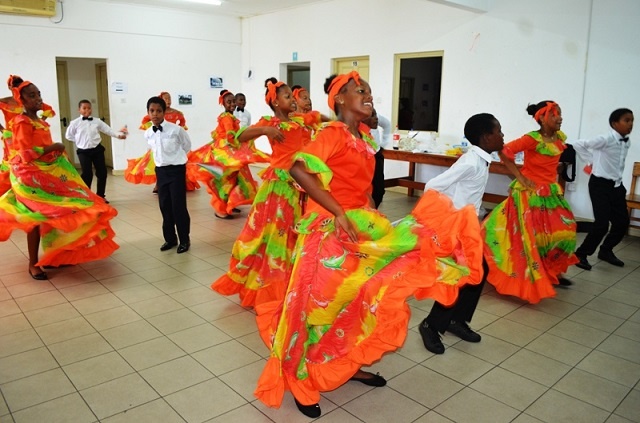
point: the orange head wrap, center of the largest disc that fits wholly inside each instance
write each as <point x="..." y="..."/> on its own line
<point x="550" y="109"/>
<point x="337" y="84"/>
<point x="223" y="95"/>
<point x="297" y="92"/>
<point x="16" y="91"/>
<point x="271" y="91"/>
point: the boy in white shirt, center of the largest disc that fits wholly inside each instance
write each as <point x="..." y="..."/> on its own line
<point x="377" y="122"/>
<point x="170" y="145"/>
<point x="84" y="131"/>
<point x="464" y="182"/>
<point x="240" y="113"/>
<point x="608" y="154"/>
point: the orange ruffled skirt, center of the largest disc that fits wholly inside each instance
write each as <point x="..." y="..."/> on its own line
<point x="345" y="305"/>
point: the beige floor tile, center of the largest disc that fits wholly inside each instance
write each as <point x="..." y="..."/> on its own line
<point x="478" y="408"/>
<point x="509" y="388"/>
<point x="244" y="414"/>
<point x="8" y="307"/>
<point x="433" y="417"/>
<point x="43" y="300"/>
<point x="612" y="368"/>
<point x="458" y="365"/>
<point x="536" y="367"/>
<point x="375" y="405"/>
<point x="150" y="353"/>
<point x="529" y="316"/>
<point x="62" y="331"/>
<point x="67" y="409"/>
<point x="512" y="332"/>
<point x="29" y="288"/>
<point x="4" y="293"/>
<point x="142" y="264"/>
<point x="118" y="395"/>
<point x="176" y="321"/>
<point x="175" y="375"/>
<point x="69" y="277"/>
<point x="490" y="349"/>
<point x="130" y="334"/>
<point x="152" y="412"/>
<point x="622" y="296"/>
<point x="123" y="282"/>
<point x="498" y="305"/>
<point x="629" y="330"/>
<point x="244" y="380"/>
<point x="556" y="307"/>
<point x="18" y="342"/>
<point x="630" y="407"/>
<point x="26" y="364"/>
<point x="97" y="370"/>
<point x="85" y="290"/>
<point x="176" y="284"/>
<point x="110" y="270"/>
<point x="596" y="319"/>
<point x="592" y="389"/>
<point x="555" y="406"/>
<point x="113" y="317"/>
<point x="390" y="365"/>
<point x="155" y="306"/>
<point x="205" y="401"/>
<point x="288" y="412"/>
<point x="80" y="348"/>
<point x="192" y="266"/>
<point x="613" y="308"/>
<point x="139" y="293"/>
<point x="210" y="358"/>
<point x="97" y="303"/>
<point x="13" y="323"/>
<point x="217" y="309"/>
<point x="579" y="333"/>
<point x="425" y="386"/>
<point x="237" y="325"/>
<point x="573" y="296"/>
<point x="196" y="295"/>
<point x="32" y="390"/>
<point x="621" y="347"/>
<point x="207" y="277"/>
<point x="159" y="274"/>
<point x="53" y="314"/>
<point x="199" y="337"/>
<point x="559" y="349"/>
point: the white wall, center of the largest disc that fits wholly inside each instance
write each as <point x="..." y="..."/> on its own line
<point x="151" y="50"/>
<point x="520" y="52"/>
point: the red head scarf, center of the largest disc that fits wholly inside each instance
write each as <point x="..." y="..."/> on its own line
<point x="297" y="92"/>
<point x="16" y="91"/>
<point x="223" y="95"/>
<point x="337" y="84"/>
<point x="10" y="80"/>
<point x="550" y="109"/>
<point x="271" y="91"/>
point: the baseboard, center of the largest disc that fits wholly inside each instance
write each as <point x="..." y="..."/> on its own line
<point x="117" y="172"/>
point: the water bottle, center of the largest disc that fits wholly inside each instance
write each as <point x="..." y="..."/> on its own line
<point x="396" y="139"/>
<point x="464" y="145"/>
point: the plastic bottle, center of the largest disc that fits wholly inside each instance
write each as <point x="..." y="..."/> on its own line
<point x="396" y="139"/>
<point x="464" y="145"/>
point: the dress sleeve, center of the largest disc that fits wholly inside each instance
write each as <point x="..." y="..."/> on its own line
<point x="22" y="142"/>
<point x="47" y="111"/>
<point x="523" y="143"/>
<point x="146" y="123"/>
<point x="317" y="153"/>
<point x="183" y="121"/>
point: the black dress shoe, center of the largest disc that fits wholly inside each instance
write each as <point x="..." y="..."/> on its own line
<point x="431" y="338"/>
<point x="583" y="263"/>
<point x="236" y="210"/>
<point x="312" y="410"/>
<point x="41" y="276"/>
<point x="183" y="248"/>
<point x="610" y="258"/>
<point x="463" y="331"/>
<point x="167" y="246"/>
<point x="375" y="380"/>
<point x="562" y="281"/>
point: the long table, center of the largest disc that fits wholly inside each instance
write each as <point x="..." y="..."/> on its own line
<point x="436" y="160"/>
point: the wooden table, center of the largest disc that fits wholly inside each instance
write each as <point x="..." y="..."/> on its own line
<point x="437" y="160"/>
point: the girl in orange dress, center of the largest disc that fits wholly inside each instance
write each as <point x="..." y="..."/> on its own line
<point x="345" y="305"/>
<point x="530" y="237"/>
<point x="303" y="99"/>
<point x="223" y="164"/>
<point x="48" y="198"/>
<point x="142" y="169"/>
<point x="261" y="259"/>
<point x="10" y="109"/>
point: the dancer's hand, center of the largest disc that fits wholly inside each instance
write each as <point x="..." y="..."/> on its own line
<point x="342" y="223"/>
<point x="274" y="133"/>
<point x="527" y="183"/>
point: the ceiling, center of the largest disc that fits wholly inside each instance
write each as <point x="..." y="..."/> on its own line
<point x="238" y="8"/>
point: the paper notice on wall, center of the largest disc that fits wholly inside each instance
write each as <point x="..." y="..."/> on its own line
<point x="119" y="87"/>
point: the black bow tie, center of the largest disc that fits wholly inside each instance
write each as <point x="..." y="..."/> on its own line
<point x="239" y="109"/>
<point x="87" y="118"/>
<point x="624" y="139"/>
<point x="157" y="128"/>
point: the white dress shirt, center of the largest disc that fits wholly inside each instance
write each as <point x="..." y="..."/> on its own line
<point x="169" y="146"/>
<point x="243" y="116"/>
<point x="86" y="133"/>
<point x="607" y="153"/>
<point x="383" y="140"/>
<point x="465" y="181"/>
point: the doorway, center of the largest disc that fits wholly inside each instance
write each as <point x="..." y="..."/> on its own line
<point x="348" y="64"/>
<point x="297" y="73"/>
<point x="83" y="79"/>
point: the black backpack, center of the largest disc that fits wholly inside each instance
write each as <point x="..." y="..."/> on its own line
<point x="568" y="158"/>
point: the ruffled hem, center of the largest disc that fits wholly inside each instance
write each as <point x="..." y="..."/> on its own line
<point x="249" y="297"/>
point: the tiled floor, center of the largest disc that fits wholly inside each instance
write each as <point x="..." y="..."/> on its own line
<point x="140" y="337"/>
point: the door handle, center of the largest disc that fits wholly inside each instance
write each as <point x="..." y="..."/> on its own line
<point x="64" y="121"/>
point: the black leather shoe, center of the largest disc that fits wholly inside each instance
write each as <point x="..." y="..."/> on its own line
<point x="312" y="410"/>
<point x="41" y="276"/>
<point x="564" y="281"/>
<point x="610" y="258"/>
<point x="183" y="248"/>
<point x="463" y="331"/>
<point x="167" y="246"/>
<point x="431" y="338"/>
<point x="375" y="380"/>
<point x="583" y="263"/>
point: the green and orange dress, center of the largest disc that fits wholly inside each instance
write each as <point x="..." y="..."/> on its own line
<point x="222" y="165"/>
<point x="531" y="236"/>
<point x="143" y="169"/>
<point x="260" y="263"/>
<point x="47" y="191"/>
<point x="345" y="305"/>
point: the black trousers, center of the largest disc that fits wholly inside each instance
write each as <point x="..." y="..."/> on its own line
<point x="609" y="205"/>
<point x="172" y="198"/>
<point x="378" y="179"/>
<point x="90" y="158"/>
<point x="464" y="307"/>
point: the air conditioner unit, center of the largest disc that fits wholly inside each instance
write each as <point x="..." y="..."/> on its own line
<point x="29" y="7"/>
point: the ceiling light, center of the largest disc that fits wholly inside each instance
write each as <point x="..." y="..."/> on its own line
<point x="210" y="2"/>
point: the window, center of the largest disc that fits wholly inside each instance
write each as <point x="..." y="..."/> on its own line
<point x="417" y="85"/>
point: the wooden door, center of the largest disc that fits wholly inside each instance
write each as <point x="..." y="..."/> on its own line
<point x="65" y="110"/>
<point x="348" y="64"/>
<point x="102" y="85"/>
